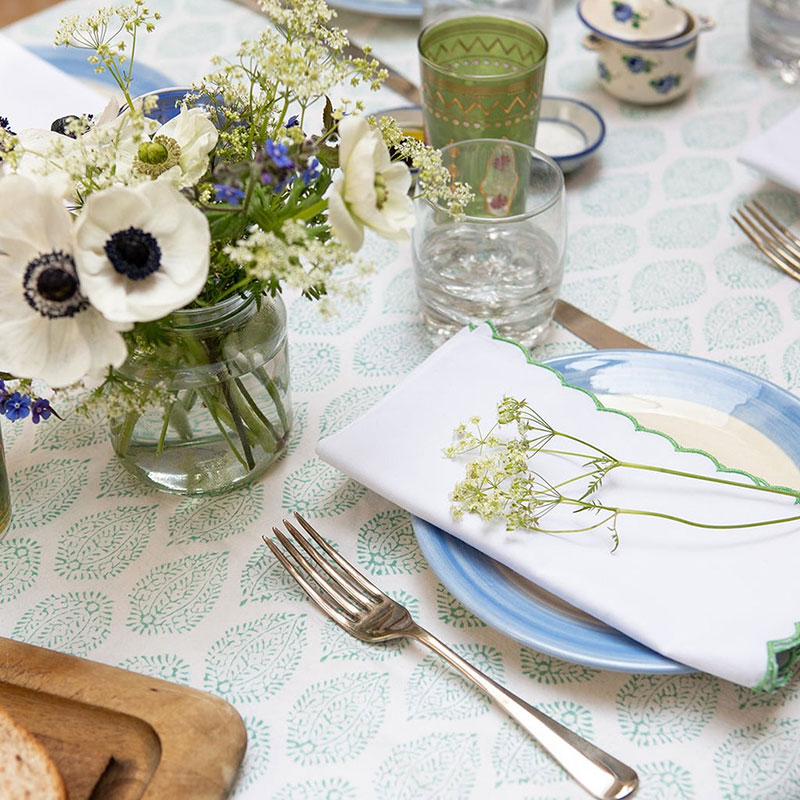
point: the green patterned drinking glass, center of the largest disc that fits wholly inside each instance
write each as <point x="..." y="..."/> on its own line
<point x="481" y="78"/>
<point x="5" y="494"/>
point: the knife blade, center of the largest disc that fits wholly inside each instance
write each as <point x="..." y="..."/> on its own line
<point x="591" y="330"/>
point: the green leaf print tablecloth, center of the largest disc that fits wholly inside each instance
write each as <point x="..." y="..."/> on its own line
<point x="183" y="589"/>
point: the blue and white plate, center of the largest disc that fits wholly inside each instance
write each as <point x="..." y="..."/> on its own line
<point x="732" y="414"/>
<point x="398" y="9"/>
<point x="74" y="63"/>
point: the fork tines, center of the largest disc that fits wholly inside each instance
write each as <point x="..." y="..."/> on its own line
<point x="774" y="240"/>
<point x="327" y="577"/>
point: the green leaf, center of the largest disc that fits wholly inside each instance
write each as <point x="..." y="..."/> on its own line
<point x="329" y="157"/>
<point x="328" y="122"/>
<point x="224" y="225"/>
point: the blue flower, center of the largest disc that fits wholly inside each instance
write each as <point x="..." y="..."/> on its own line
<point x="278" y="154"/>
<point x="292" y="121"/>
<point x="228" y="194"/>
<point x="636" y="63"/>
<point x="622" y="12"/>
<point x="603" y="71"/>
<point x="41" y="410"/>
<point x="665" y="84"/>
<point x="311" y="171"/>
<point x="17" y="406"/>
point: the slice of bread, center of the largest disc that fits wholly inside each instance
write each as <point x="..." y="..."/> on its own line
<point x="26" y="770"/>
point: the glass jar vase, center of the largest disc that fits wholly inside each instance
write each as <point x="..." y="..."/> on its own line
<point x="5" y="494"/>
<point x="218" y="411"/>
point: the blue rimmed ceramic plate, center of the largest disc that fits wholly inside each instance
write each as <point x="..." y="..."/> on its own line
<point x="74" y="63"/>
<point x="399" y="9"/>
<point x="743" y="420"/>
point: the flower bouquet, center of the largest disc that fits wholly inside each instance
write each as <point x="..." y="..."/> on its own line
<point x="143" y="253"/>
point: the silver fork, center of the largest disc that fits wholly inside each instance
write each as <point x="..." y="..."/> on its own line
<point x="774" y="240"/>
<point x="363" y="610"/>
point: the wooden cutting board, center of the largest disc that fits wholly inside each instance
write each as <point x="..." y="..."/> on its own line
<point x="118" y="735"/>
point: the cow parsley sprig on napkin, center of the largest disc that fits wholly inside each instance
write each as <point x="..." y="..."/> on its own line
<point x="502" y="483"/>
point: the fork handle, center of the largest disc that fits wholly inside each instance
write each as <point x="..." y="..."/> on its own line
<point x="602" y="775"/>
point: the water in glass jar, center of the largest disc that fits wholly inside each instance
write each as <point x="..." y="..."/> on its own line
<point x="509" y="275"/>
<point x="775" y="36"/>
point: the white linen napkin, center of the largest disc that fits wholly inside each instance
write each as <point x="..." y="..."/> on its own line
<point x="33" y="93"/>
<point x="709" y="599"/>
<point x="776" y="152"/>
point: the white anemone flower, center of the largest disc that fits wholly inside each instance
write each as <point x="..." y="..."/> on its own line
<point x="372" y="191"/>
<point x="176" y="151"/>
<point x="141" y="251"/>
<point x="48" y="329"/>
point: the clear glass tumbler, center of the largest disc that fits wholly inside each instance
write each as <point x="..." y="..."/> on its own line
<point x="775" y="36"/>
<point x="504" y="260"/>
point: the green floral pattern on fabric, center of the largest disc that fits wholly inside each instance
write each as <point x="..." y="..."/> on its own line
<point x="102" y="545"/>
<point x="335" y="719"/>
<point x="654" y="710"/>
<point x="20" y="562"/>
<point x="210" y="519"/>
<point x="42" y="492"/>
<point x="387" y="545"/>
<point x="176" y="596"/>
<point x="73" y="622"/>
<point x="166" y="666"/>
<point x="441" y="765"/>
<point x="100" y="565"/>
<point x="252" y="661"/>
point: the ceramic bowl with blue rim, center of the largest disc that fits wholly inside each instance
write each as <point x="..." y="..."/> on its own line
<point x="569" y="131"/>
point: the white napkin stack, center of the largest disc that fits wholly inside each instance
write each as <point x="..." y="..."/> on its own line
<point x="33" y="93"/>
<point x="776" y="152"/>
<point x="709" y="599"/>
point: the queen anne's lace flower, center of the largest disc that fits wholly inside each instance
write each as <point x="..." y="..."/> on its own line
<point x="141" y="251"/>
<point x="372" y="191"/>
<point x="48" y="330"/>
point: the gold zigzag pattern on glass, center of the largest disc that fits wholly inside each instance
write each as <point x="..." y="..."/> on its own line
<point x="437" y="99"/>
<point x="525" y="59"/>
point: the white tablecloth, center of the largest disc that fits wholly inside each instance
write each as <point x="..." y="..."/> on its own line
<point x="651" y="251"/>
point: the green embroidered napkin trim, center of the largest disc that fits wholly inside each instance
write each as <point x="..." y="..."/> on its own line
<point x="782" y="654"/>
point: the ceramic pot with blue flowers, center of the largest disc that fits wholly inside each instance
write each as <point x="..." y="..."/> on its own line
<point x="632" y="67"/>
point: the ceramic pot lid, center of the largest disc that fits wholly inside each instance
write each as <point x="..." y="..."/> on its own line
<point x="634" y="20"/>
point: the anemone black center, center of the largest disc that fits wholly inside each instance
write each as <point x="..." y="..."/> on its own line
<point x="50" y="285"/>
<point x="133" y="253"/>
<point x="56" y="284"/>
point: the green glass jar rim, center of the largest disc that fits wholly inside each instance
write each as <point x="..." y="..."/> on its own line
<point x="483" y="23"/>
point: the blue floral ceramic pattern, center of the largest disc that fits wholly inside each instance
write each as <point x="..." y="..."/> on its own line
<point x="637" y="63"/>
<point x="666" y="83"/>
<point x="624" y="13"/>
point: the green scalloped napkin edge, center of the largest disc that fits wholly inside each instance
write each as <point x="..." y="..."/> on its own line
<point x="782" y="654"/>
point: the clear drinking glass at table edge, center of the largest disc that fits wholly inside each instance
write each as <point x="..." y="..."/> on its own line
<point x="504" y="260"/>
<point x="774" y="27"/>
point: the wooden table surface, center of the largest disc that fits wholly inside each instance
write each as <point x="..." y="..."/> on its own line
<point x="12" y="10"/>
